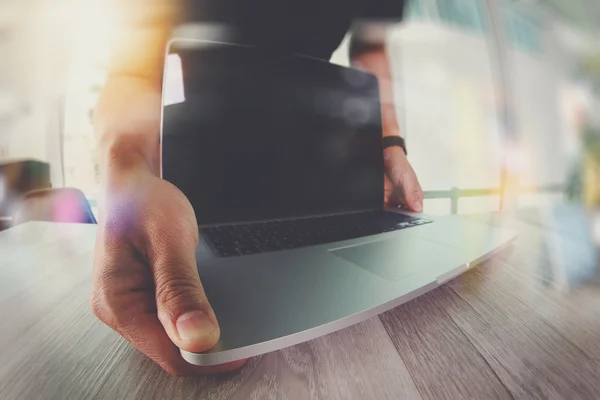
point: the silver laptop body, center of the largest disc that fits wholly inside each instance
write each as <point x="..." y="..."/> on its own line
<point x="271" y="299"/>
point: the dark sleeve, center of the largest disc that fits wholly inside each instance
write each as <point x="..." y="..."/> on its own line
<point x="382" y="10"/>
<point x="373" y="12"/>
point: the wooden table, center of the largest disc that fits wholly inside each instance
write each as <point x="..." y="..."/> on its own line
<point x="524" y="325"/>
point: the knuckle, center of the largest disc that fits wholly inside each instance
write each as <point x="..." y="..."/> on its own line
<point x="109" y="309"/>
<point x="101" y="303"/>
<point x="174" y="370"/>
<point x="98" y="308"/>
<point x="109" y="286"/>
<point x="174" y="292"/>
<point x="111" y="263"/>
<point x="98" y="297"/>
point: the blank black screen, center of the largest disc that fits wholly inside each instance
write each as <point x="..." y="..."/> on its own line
<point x="264" y="136"/>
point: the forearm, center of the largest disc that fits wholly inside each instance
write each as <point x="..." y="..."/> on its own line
<point x="373" y="57"/>
<point x="127" y="116"/>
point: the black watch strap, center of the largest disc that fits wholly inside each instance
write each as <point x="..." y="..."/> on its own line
<point x="390" y="141"/>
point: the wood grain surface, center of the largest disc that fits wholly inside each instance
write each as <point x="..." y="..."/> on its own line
<point x="524" y="325"/>
<point x="443" y="363"/>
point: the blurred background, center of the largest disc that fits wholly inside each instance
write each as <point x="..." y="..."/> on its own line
<point x="499" y="99"/>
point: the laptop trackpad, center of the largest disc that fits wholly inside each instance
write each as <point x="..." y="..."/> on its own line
<point x="395" y="259"/>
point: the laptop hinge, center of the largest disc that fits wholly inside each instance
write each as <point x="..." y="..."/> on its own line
<point x="295" y="217"/>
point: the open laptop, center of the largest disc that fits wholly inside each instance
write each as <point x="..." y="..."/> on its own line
<point x="281" y="158"/>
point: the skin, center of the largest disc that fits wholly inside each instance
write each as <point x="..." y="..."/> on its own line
<point x="146" y="285"/>
<point x="401" y="184"/>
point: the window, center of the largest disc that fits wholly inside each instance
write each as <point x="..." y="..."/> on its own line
<point x="445" y="90"/>
<point x="465" y="14"/>
<point x="86" y="75"/>
<point x="414" y="10"/>
<point x="522" y="30"/>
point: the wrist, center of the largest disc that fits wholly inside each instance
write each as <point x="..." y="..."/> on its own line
<point x="393" y="156"/>
<point x="128" y="152"/>
<point x="127" y="125"/>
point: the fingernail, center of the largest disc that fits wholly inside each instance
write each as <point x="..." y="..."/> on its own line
<point x="194" y="325"/>
<point x="419" y="207"/>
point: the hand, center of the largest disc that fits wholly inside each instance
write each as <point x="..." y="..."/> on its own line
<point x="401" y="184"/>
<point x="145" y="283"/>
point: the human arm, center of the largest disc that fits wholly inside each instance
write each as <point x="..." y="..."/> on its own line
<point x="368" y="52"/>
<point x="145" y="284"/>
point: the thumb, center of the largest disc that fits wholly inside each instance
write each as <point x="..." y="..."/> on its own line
<point x="182" y="306"/>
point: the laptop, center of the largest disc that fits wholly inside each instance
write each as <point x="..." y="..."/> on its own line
<point x="281" y="159"/>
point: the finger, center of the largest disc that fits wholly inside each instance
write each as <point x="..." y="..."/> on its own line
<point x="420" y="197"/>
<point x="170" y="239"/>
<point x="182" y="306"/>
<point x="143" y="330"/>
<point x="391" y="195"/>
<point x="405" y="185"/>
<point x="409" y="193"/>
<point x="149" y="336"/>
<point x="407" y="189"/>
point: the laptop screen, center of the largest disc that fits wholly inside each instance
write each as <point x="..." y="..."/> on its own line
<point x="252" y="135"/>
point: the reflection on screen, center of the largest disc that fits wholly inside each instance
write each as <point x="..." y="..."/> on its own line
<point x="173" y="92"/>
<point x="265" y="136"/>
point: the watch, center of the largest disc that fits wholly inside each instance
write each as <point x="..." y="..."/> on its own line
<point x="391" y="141"/>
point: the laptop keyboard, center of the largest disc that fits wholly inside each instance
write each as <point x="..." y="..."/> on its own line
<point x="253" y="238"/>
